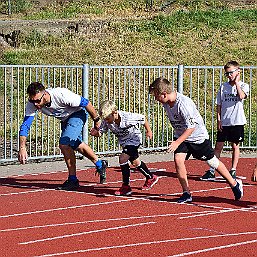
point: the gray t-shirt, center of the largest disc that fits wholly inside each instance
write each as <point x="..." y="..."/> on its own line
<point x="128" y="131"/>
<point x="63" y="103"/>
<point x="232" y="110"/>
<point x="184" y="115"/>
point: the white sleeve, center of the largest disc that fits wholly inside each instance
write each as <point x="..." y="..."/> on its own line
<point x="69" y="98"/>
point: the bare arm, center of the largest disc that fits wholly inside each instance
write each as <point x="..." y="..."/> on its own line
<point x="149" y="132"/>
<point x="174" y="144"/>
<point x="219" y="124"/>
<point x="22" y="155"/>
<point x="93" y="114"/>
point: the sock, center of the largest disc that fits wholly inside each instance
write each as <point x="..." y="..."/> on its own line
<point x="98" y="164"/>
<point x="125" y="169"/>
<point x="72" y="177"/>
<point x="212" y="170"/>
<point x="144" y="170"/>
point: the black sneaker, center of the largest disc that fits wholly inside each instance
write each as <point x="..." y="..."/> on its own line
<point x="233" y="173"/>
<point x="186" y="197"/>
<point x="102" y="172"/>
<point x="209" y="175"/>
<point x="69" y="185"/>
<point x="238" y="190"/>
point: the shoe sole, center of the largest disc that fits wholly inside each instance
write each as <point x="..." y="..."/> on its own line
<point x="67" y="189"/>
<point x="127" y="194"/>
<point x="207" y="179"/>
<point x="187" y="201"/>
<point x="148" y="188"/>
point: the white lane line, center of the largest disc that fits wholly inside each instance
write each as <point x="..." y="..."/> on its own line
<point x="214" y="248"/>
<point x="149" y="243"/>
<point x="85" y="233"/>
<point x="65" y="208"/>
<point x="103" y="220"/>
<point x="25" y="192"/>
<point x="213" y="213"/>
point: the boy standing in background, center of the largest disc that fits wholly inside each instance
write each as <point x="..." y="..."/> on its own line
<point x="230" y="116"/>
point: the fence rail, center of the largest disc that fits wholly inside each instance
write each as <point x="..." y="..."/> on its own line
<point x="128" y="87"/>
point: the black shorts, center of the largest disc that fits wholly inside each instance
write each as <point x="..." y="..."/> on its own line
<point x="203" y="151"/>
<point x="234" y="134"/>
<point x="132" y="151"/>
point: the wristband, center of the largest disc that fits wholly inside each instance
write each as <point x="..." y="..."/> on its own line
<point x="96" y="119"/>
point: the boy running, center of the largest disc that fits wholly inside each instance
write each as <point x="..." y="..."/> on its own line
<point x="126" y="126"/>
<point x="190" y="137"/>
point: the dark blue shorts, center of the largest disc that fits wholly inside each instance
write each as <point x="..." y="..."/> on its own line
<point x="72" y="129"/>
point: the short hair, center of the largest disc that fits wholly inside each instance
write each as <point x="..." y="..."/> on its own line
<point x="107" y="108"/>
<point x="230" y="64"/>
<point x="34" y="88"/>
<point x="160" y="85"/>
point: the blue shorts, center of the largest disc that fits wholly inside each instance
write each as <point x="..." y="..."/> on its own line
<point x="72" y="129"/>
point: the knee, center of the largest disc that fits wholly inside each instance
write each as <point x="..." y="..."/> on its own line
<point x="68" y="142"/>
<point x="64" y="148"/>
<point x="123" y="158"/>
<point x="213" y="162"/>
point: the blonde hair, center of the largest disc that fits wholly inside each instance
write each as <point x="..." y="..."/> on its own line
<point x="107" y="108"/>
<point x="159" y="86"/>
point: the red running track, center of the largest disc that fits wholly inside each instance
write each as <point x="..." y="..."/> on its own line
<point x="37" y="220"/>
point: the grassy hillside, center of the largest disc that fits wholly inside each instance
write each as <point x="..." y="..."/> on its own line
<point x="122" y="32"/>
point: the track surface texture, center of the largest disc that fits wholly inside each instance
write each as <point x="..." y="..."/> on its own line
<point x="37" y="220"/>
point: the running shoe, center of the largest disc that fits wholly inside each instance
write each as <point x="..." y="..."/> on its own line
<point x="102" y="172"/>
<point x="150" y="182"/>
<point x="124" y="190"/>
<point x="209" y="176"/>
<point x="69" y="185"/>
<point x="238" y="190"/>
<point x="186" y="197"/>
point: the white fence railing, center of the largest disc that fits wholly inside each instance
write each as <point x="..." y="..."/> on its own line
<point x="128" y="87"/>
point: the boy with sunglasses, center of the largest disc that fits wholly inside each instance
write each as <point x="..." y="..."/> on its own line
<point x="72" y="110"/>
<point x="230" y="116"/>
<point x="126" y="126"/>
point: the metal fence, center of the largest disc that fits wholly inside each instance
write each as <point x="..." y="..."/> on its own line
<point x="128" y="87"/>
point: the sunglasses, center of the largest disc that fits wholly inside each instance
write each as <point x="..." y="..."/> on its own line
<point x="230" y="72"/>
<point x="37" y="101"/>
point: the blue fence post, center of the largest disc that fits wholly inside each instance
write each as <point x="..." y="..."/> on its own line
<point x="180" y="78"/>
<point x="85" y="79"/>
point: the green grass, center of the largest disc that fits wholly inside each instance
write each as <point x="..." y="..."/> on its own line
<point x="161" y="38"/>
<point x="164" y="39"/>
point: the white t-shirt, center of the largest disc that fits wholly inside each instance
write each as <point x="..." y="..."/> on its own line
<point x="63" y="103"/>
<point x="232" y="110"/>
<point x="128" y="131"/>
<point x="184" y="115"/>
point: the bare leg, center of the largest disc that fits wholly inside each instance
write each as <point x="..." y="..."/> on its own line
<point x="86" y="151"/>
<point x="218" y="149"/>
<point x="179" y="159"/>
<point x="223" y="171"/>
<point x="70" y="158"/>
<point x="235" y="155"/>
<point x="254" y="175"/>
